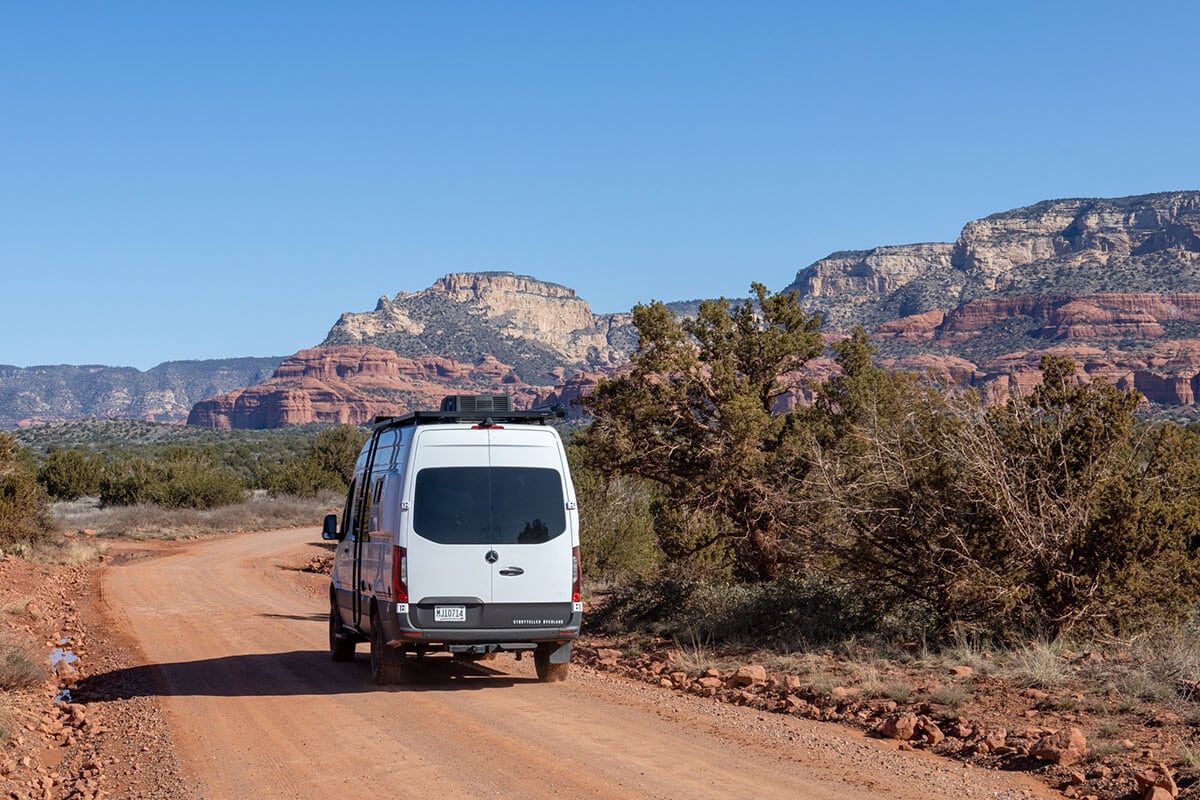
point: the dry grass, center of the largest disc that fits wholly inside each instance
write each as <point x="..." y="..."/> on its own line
<point x="19" y="668"/>
<point x="261" y="512"/>
<point x="1038" y="664"/>
<point x="950" y="695"/>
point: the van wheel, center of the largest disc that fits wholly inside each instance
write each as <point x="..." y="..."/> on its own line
<point x="547" y="672"/>
<point x="341" y="646"/>
<point x="386" y="662"/>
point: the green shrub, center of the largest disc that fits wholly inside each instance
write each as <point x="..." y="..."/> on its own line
<point x="71" y="474"/>
<point x="128" y="482"/>
<point x="794" y="612"/>
<point x="328" y="464"/>
<point x="336" y="449"/>
<point x="185" y="479"/>
<point x="191" y="481"/>
<point x="301" y="477"/>
<point x="24" y="514"/>
<point x="616" y="523"/>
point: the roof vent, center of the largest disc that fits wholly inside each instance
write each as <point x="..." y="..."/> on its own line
<point x="477" y="402"/>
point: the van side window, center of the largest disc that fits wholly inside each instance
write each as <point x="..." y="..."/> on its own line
<point x="362" y="505"/>
<point x="376" y="497"/>
<point x="345" y="529"/>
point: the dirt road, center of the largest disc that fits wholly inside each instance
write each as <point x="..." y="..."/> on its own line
<point x="236" y="649"/>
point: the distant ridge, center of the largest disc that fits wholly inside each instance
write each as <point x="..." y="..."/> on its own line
<point x="165" y="393"/>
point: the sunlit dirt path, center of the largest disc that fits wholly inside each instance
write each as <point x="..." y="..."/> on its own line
<point x="237" y="650"/>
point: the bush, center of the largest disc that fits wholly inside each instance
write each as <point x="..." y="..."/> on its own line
<point x="616" y="523"/>
<point x="71" y="474"/>
<point x="302" y="477"/>
<point x="336" y="449"/>
<point x="186" y="479"/>
<point x="127" y="482"/>
<point x="328" y="464"/>
<point x="193" y="482"/>
<point x="24" y="514"/>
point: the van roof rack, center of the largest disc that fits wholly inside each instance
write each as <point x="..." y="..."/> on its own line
<point x="486" y="409"/>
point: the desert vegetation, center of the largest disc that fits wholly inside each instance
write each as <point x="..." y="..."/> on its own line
<point x="123" y="477"/>
<point x="885" y="506"/>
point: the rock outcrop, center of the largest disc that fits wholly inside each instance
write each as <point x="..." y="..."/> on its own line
<point x="1113" y="283"/>
<point x="1147" y="243"/>
<point x="533" y="325"/>
<point x="353" y="384"/>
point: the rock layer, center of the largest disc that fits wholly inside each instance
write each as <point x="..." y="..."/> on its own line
<point x="354" y="384"/>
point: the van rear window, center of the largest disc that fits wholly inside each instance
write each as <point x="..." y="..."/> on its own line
<point x="489" y="505"/>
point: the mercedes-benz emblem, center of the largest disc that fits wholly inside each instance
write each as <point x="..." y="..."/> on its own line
<point x="492" y="557"/>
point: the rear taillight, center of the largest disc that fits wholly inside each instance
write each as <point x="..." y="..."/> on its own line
<point x="576" y="576"/>
<point x="400" y="574"/>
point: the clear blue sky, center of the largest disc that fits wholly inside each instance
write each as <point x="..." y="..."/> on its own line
<point x="208" y="180"/>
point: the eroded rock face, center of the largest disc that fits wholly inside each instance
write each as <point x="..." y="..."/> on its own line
<point x="531" y="324"/>
<point x="1058" y="247"/>
<point x="875" y="272"/>
<point x="1112" y="283"/>
<point x="1114" y="337"/>
<point x="1073" y="231"/>
<point x="354" y="384"/>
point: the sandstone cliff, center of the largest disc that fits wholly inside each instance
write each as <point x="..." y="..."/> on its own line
<point x="1147" y="243"/>
<point x="1113" y="283"/>
<point x="533" y="325"/>
<point x="353" y="384"/>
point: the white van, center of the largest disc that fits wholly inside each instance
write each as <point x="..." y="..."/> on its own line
<point x="460" y="534"/>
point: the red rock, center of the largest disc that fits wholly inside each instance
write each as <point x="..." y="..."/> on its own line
<point x="1063" y="748"/>
<point x="900" y="726"/>
<point x="1156" y="778"/>
<point x="749" y="675"/>
<point x="928" y="730"/>
<point x="353" y="384"/>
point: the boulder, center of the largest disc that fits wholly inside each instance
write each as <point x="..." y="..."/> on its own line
<point x="1156" y="782"/>
<point x="1063" y="748"/>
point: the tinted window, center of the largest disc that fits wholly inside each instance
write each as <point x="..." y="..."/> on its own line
<point x="489" y="505"/>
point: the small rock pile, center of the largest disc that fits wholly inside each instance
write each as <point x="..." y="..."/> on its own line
<point x="1053" y="753"/>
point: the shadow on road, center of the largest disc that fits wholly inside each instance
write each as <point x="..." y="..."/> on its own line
<point x="297" y="673"/>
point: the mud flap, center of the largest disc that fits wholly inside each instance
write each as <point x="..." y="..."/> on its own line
<point x="561" y="654"/>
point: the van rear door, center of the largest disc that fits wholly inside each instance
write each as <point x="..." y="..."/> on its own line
<point x="447" y="545"/>
<point x="489" y="526"/>
<point x="532" y="528"/>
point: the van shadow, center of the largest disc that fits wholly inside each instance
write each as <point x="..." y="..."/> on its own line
<point x="296" y="673"/>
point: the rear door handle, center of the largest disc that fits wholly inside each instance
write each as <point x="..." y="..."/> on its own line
<point x="510" y="571"/>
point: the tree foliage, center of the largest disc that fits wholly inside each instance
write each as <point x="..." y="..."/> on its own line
<point x="1053" y="513"/>
<point x="697" y="416"/>
<point x="1036" y="516"/>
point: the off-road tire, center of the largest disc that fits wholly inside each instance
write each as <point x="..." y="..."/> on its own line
<point x="547" y="672"/>
<point x="387" y="664"/>
<point x="341" y="646"/>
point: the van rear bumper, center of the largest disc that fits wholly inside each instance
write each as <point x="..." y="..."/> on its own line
<point x="537" y="623"/>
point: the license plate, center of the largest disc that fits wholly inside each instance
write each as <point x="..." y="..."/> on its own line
<point x="449" y="613"/>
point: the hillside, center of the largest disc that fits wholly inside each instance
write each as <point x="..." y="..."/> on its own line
<point x="535" y="327"/>
<point x="165" y="393"/>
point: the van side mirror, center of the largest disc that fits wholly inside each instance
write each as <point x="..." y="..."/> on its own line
<point x="329" y="530"/>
